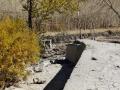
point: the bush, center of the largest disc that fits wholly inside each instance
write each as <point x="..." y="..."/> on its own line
<point x="19" y="47"/>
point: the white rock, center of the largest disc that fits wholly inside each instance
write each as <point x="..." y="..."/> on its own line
<point x="37" y="68"/>
<point x="100" y="74"/>
<point x="46" y="63"/>
<point x="15" y="88"/>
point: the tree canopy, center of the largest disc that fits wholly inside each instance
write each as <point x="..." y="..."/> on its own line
<point x="44" y="9"/>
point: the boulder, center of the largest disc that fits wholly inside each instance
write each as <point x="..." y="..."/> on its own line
<point x="74" y="51"/>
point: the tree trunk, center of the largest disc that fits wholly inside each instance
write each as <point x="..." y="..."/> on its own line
<point x="30" y="13"/>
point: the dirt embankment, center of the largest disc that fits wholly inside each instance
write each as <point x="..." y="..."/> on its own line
<point x="98" y="34"/>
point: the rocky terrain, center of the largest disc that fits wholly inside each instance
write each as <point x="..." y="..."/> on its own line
<point x="42" y="73"/>
<point x="97" y="69"/>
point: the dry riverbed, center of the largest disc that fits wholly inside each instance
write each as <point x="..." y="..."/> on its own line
<point x="44" y="72"/>
<point x="97" y="69"/>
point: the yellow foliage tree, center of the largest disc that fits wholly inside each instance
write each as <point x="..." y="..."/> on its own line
<point x="19" y="47"/>
<point x="44" y="9"/>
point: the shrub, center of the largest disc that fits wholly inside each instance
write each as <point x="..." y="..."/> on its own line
<point x="19" y="47"/>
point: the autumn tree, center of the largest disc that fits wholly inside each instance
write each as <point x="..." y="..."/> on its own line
<point x="28" y="6"/>
<point x="44" y="9"/>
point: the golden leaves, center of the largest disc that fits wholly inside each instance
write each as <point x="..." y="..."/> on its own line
<point x="18" y="47"/>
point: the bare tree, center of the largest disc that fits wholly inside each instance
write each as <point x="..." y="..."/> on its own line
<point x="110" y="5"/>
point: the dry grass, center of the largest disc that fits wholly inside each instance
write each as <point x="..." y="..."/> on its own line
<point x="75" y="32"/>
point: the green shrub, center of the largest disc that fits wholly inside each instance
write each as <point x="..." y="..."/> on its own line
<point x="19" y="47"/>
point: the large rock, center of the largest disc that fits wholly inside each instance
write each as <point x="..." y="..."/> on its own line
<point x="74" y="51"/>
<point x="97" y="69"/>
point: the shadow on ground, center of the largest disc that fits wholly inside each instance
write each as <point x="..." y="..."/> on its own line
<point x="59" y="81"/>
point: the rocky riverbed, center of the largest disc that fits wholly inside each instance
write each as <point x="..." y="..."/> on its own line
<point x="43" y="72"/>
<point x="97" y="69"/>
